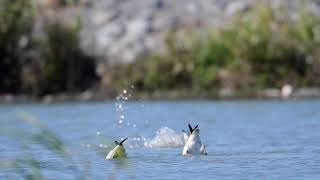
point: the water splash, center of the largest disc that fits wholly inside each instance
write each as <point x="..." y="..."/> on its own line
<point x="165" y="138"/>
<point x="135" y="142"/>
<point x="121" y="106"/>
<point x="122" y="120"/>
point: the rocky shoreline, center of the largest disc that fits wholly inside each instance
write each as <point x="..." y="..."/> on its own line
<point x="223" y="94"/>
<point x="83" y="50"/>
<point x="119" y="31"/>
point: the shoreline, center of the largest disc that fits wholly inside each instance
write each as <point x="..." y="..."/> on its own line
<point x="223" y="94"/>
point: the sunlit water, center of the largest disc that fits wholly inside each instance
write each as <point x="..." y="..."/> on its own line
<point x="244" y="139"/>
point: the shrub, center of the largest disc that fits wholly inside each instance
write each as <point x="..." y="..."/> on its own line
<point x="16" y="19"/>
<point x="66" y="67"/>
<point x="265" y="41"/>
<point x="260" y="48"/>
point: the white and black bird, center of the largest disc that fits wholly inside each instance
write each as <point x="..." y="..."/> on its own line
<point x="118" y="151"/>
<point x="193" y="145"/>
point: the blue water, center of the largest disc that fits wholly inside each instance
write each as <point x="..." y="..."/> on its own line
<point x="244" y="140"/>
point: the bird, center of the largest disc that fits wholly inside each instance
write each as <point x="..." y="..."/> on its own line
<point x="118" y="151"/>
<point x="193" y="144"/>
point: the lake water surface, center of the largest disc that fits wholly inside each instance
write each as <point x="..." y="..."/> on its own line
<point x="244" y="140"/>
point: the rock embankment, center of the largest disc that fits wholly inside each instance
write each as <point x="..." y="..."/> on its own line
<point x="122" y="30"/>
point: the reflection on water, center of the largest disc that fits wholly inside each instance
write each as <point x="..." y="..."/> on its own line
<point x="245" y="139"/>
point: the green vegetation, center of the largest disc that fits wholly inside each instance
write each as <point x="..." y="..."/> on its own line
<point x="29" y="166"/>
<point x="260" y="48"/>
<point x="32" y="135"/>
<point x="66" y="68"/>
<point x="51" y="64"/>
<point x="61" y="66"/>
<point x="16" y="19"/>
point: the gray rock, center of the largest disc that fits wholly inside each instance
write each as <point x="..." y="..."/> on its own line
<point x="120" y="30"/>
<point x="307" y="92"/>
<point x="271" y="93"/>
<point x="226" y="92"/>
<point x="158" y="4"/>
<point x="236" y="7"/>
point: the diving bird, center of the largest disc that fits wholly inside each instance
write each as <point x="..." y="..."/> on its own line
<point x="118" y="151"/>
<point x="193" y="145"/>
<point x="187" y="134"/>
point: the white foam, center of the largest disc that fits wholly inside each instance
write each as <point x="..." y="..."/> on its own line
<point x="165" y="138"/>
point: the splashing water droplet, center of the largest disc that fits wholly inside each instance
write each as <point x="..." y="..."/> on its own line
<point x="122" y="105"/>
<point x="165" y="137"/>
